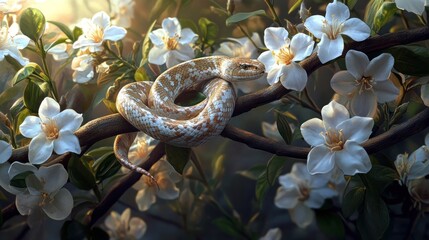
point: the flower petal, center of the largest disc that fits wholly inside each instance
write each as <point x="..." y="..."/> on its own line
<point x="334" y="114"/>
<point x="40" y="149"/>
<point x="380" y="67"/>
<point x="17" y="168"/>
<point x="168" y="189"/>
<point x="302" y="215"/>
<point x="300" y="172"/>
<point x="156" y="37"/>
<point x="275" y="37"/>
<point x="187" y="36"/>
<point x="420" y="163"/>
<point x="21" y="41"/>
<point x="171" y="27"/>
<point x="137" y="228"/>
<point x="320" y="160"/>
<point x="30" y="127"/>
<point x="424" y="94"/>
<point x="352" y="159"/>
<point x="48" y="109"/>
<point x="386" y="91"/>
<point x="67" y="142"/>
<point x="54" y="177"/>
<point x="364" y="104"/>
<point x="356" y="63"/>
<point x="274" y="74"/>
<point x="286" y="198"/>
<point x="268" y="60"/>
<point x="356" y="29"/>
<point x="25" y="203"/>
<point x="416" y="6"/>
<point x="145" y="198"/>
<point x="357" y="129"/>
<point x="314" y="24"/>
<point x="61" y="206"/>
<point x="302" y="46"/>
<point x="114" y="33"/>
<point x="295" y="77"/>
<point x="68" y="120"/>
<point x="157" y="55"/>
<point x="337" y="12"/>
<point x="343" y="83"/>
<point x="312" y="131"/>
<point x="101" y="19"/>
<point x="330" y="49"/>
<point x="318" y="196"/>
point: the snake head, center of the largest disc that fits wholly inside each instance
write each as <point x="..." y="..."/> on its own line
<point x="242" y="69"/>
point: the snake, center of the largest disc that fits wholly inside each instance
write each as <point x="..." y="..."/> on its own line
<point x="150" y="106"/>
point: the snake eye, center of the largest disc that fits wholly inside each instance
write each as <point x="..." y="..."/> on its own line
<point x="245" y="66"/>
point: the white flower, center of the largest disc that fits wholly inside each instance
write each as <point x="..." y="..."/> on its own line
<point x="171" y="43"/>
<point x="304" y="12"/>
<point x="83" y="66"/>
<point x="44" y="192"/>
<point x="272" y="234"/>
<point x="11" y="6"/>
<point x="96" y="31"/>
<point x="336" y="141"/>
<point x="300" y="192"/>
<point x="51" y="131"/>
<point x="11" y="42"/>
<point x="122" y="12"/>
<point x="413" y="166"/>
<point x="365" y="82"/>
<point x="5" y="151"/>
<point x="415" y="6"/>
<point x="123" y="227"/>
<point x="330" y="28"/>
<point x="165" y="187"/>
<point x="59" y="52"/>
<point x="424" y="94"/>
<point x="283" y="55"/>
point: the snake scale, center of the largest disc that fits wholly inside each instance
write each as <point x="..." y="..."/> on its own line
<point x="151" y="108"/>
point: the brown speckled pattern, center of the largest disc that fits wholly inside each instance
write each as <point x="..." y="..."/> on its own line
<point x="151" y="108"/>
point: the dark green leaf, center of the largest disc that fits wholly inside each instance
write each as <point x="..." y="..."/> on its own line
<point x="177" y="156"/>
<point x="353" y="197"/>
<point x="411" y="60"/>
<point x="218" y="167"/>
<point x="19" y="179"/>
<point x="351" y="3"/>
<point x="146" y="44"/>
<point x="80" y="173"/>
<point x="399" y="112"/>
<point x="10" y="94"/>
<point x="72" y="230"/>
<point x="32" y="23"/>
<point x="254" y="172"/>
<point x="330" y="224"/>
<point x="227" y="226"/>
<point x="34" y="94"/>
<point x="284" y="128"/>
<point x="65" y="29"/>
<point x="383" y="15"/>
<point x="380" y="177"/>
<point x="26" y="72"/>
<point x="106" y="166"/>
<point x="274" y="168"/>
<point x="99" y="152"/>
<point x="238" y="17"/>
<point x="208" y="31"/>
<point x="262" y="186"/>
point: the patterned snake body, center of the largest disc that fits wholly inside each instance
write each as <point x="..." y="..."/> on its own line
<point x="151" y="108"/>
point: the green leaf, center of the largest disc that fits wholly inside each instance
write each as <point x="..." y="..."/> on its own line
<point x="106" y="166"/>
<point x="77" y="31"/>
<point x="80" y="173"/>
<point x="19" y="118"/>
<point x="351" y="3"/>
<point x="261" y="187"/>
<point x="371" y="10"/>
<point x="227" y="226"/>
<point x="284" y="128"/>
<point x="55" y="43"/>
<point x="274" y="168"/>
<point x="398" y="113"/>
<point x="208" y="31"/>
<point x="65" y="29"/>
<point x="146" y="44"/>
<point x="238" y="17"/>
<point x="295" y="6"/>
<point x="383" y="15"/>
<point x="380" y="177"/>
<point x="99" y="152"/>
<point x="218" y="167"/>
<point x="26" y="72"/>
<point x="411" y="60"/>
<point x="19" y="179"/>
<point x="32" y="23"/>
<point x="73" y="230"/>
<point x="177" y="156"/>
<point x="330" y="224"/>
<point x="374" y="220"/>
<point x="254" y="172"/>
<point x="10" y="94"/>
<point x="141" y="75"/>
<point x="353" y="197"/>
<point x="34" y="94"/>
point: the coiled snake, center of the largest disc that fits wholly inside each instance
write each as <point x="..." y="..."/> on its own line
<point x="151" y="107"/>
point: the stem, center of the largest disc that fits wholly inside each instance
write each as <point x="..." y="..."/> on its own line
<point x="248" y="36"/>
<point x="119" y="58"/>
<point x="46" y="70"/>
<point x="273" y="12"/>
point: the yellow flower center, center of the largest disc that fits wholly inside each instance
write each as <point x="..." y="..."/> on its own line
<point x="334" y="139"/>
<point x="45" y="199"/>
<point x="171" y="43"/>
<point x="365" y="83"/>
<point x="332" y="30"/>
<point x="51" y="130"/>
<point x="283" y="56"/>
<point x="96" y="35"/>
<point x="304" y="190"/>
